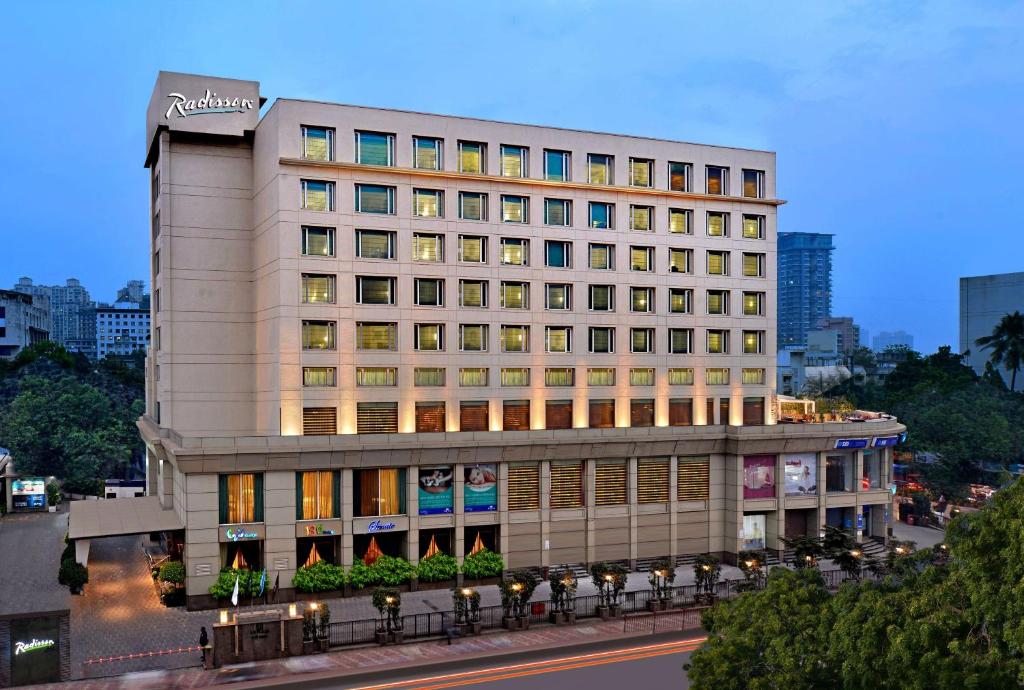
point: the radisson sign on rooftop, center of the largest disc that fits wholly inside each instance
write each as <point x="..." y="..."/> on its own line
<point x="211" y="103"/>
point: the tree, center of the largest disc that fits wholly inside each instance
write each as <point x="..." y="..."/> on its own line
<point x="1006" y="344"/>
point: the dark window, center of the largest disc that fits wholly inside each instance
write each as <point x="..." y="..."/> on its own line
<point x="602" y="414"/>
<point x="558" y="414"/>
<point x="680" y="412"/>
<point x="473" y="416"/>
<point x="429" y="417"/>
<point x="516" y="415"/>
<point x="641" y="413"/>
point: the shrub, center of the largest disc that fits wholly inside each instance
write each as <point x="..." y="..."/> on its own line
<point x="388" y="602"/>
<point x="437" y="568"/>
<point x="359" y="576"/>
<point x="53" y="494"/>
<point x="483" y="564"/>
<point x="73" y="574"/>
<point x="173" y="572"/>
<point x="386" y="570"/>
<point x="248" y="584"/>
<point x="319" y="577"/>
<point x="516" y="590"/>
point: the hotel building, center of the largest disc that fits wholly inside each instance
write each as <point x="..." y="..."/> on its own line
<point x="381" y="325"/>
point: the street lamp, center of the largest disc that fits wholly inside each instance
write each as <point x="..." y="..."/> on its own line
<point x="900" y="550"/>
<point x="314" y="606"/>
<point x="855" y="553"/>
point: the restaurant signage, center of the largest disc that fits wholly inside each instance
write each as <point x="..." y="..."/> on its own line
<point x="380" y="526"/>
<point x="851" y="443"/>
<point x="318" y="529"/>
<point x="239" y="534"/>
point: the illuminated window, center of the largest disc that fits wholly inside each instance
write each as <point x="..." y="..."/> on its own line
<point x="641" y="412"/>
<point x="473" y="337"/>
<point x="680" y="221"/>
<point x="558" y="414"/>
<point x="317" y="143"/>
<point x="600" y="168"/>
<point x="753" y="342"/>
<point x="375" y="290"/>
<point x="515" y="338"/>
<point x="718" y="224"/>
<point x="560" y="376"/>
<point x="514" y="252"/>
<point x="679" y="175"/>
<point x="375" y="148"/>
<point x="317" y="241"/>
<point x="426" y="247"/>
<point x="472" y="249"/>
<point x="371" y="377"/>
<point x="718" y="342"/>
<point x="319" y="421"/>
<point x="566" y="484"/>
<point x="472" y="157"/>
<point x="318" y="377"/>
<point x="718" y="302"/>
<point x="641" y="377"/>
<point x="602" y="339"/>
<point x="376" y="336"/>
<point x="680" y="301"/>
<point x="680" y="341"/>
<point x="514" y="161"/>
<point x="377" y="418"/>
<point x="753" y="265"/>
<point x="680" y="377"/>
<point x="512" y="377"/>
<point x="753" y="184"/>
<point x="753" y="377"/>
<point x="558" y="296"/>
<point x="717" y="179"/>
<point x="375" y="244"/>
<point x="602" y="298"/>
<point x="716" y="377"/>
<point x="718" y="263"/>
<point x="641" y="218"/>
<point x="753" y="304"/>
<point x="515" y="209"/>
<point x="602" y="257"/>
<point x="652" y="480"/>
<point x="558" y="339"/>
<point x="428" y="203"/>
<point x="474" y="415"/>
<point x="516" y="415"/>
<point x="680" y="411"/>
<point x="523" y="487"/>
<point x="515" y="295"/>
<point x="428" y="337"/>
<point x="473" y="293"/>
<point x="641" y="299"/>
<point x="472" y="206"/>
<point x="378" y="492"/>
<point x="373" y="198"/>
<point x="641" y="172"/>
<point x="601" y="376"/>
<point x="317" y="195"/>
<point x="318" y="495"/>
<point x="680" y="260"/>
<point x="753" y="227"/>
<point x="641" y="259"/>
<point x="317" y="289"/>
<point x="610" y="480"/>
<point x="428" y="376"/>
<point x="318" y="335"/>
<point x="428" y="292"/>
<point x="473" y="377"/>
<point x="241" y="498"/>
<point x="427" y="153"/>
<point x="641" y="340"/>
<point x="430" y="417"/>
<point x="602" y="414"/>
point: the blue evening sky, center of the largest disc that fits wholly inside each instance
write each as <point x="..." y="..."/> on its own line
<point x="897" y="124"/>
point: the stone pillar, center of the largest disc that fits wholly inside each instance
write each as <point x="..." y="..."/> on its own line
<point x="459" y="507"/>
<point x="545" y="512"/>
<point x="633" y="511"/>
<point x="503" y="508"/>
<point x="673" y="507"/>
<point x="279" y="548"/>
<point x="347" y="510"/>
<point x="822" y="492"/>
<point x="590" y="488"/>
<point x="152" y="473"/>
<point x="412" y="509"/>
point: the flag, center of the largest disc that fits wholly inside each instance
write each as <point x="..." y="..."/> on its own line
<point x="234" y="593"/>
<point x="277" y="583"/>
<point x="263" y="582"/>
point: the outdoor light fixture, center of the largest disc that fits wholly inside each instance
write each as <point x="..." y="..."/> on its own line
<point x="855" y="553"/>
<point x="467" y="592"/>
<point x="707" y="568"/>
<point x="314" y="606"/>
<point x="293" y="611"/>
<point x="899" y="549"/>
<point x="808" y="559"/>
<point x="750" y="564"/>
<point x="223" y="617"/>
<point x="516" y="586"/>
<point x="608" y="578"/>
<point x="390" y="600"/>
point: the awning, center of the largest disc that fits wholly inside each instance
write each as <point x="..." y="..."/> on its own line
<point x="113" y="517"/>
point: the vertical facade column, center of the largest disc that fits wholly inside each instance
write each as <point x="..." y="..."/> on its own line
<point x="777" y="529"/>
<point x="280" y="557"/>
<point x="822" y="494"/>
<point x="545" y="513"/>
<point x="673" y="507"/>
<point x="459" y="505"/>
<point x="412" y="509"/>
<point x="633" y="510"/>
<point x="152" y="474"/>
<point x="858" y="510"/>
<point x="503" y="508"/>
<point x="347" y="510"/>
<point x="590" y="509"/>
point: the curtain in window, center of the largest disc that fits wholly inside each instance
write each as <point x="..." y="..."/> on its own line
<point x="368" y="481"/>
<point x="427" y="203"/>
<point x="377" y="418"/>
<point x="318" y="376"/>
<point x="601" y="377"/>
<point x="374" y="149"/>
<point x="680" y="340"/>
<point x="556" y="212"/>
<point x="428" y="336"/>
<point x="380" y="336"/>
<point x="516" y="415"/>
<point x="640" y="173"/>
<point x="390" y="492"/>
<point x="752" y="227"/>
<point x="716" y="263"/>
<point x="317" y="335"/>
<point x="679" y="301"/>
<point x="316" y="195"/>
<point x="641" y="413"/>
<point x="601" y="339"/>
<point x="376" y="376"/>
<point x="375" y="290"/>
<point x="751" y="304"/>
<point x="428" y="376"/>
<point x="717" y="377"/>
<point x="639" y="259"/>
<point x="472" y="249"/>
<point x="514" y="295"/>
<point x="309" y="496"/>
<point x="471" y="157"/>
<point x="514" y="338"/>
<point x="316" y="144"/>
<point x="474" y="338"/>
<point x="716" y="224"/>
<point x="602" y="414"/>
<point x="641" y="217"/>
<point x="430" y="417"/>
<point x="641" y="377"/>
<point x="374" y="245"/>
<point x="513" y="160"/>
<point x="716" y="342"/>
<point x="678" y="221"/>
<point x="640" y="299"/>
<point x="558" y="339"/>
<point x="600" y="256"/>
<point x="600" y="169"/>
<point x="751" y="265"/>
<point x="428" y="292"/>
<point x="427" y="157"/>
<point x="750" y="342"/>
<point x="716" y="303"/>
<point x="515" y="376"/>
<point x="600" y="297"/>
<point x="560" y="376"/>
<point x="679" y="260"/>
<point x="753" y="376"/>
<point x="558" y="296"/>
<point x="472" y="293"/>
<point x="473" y="376"/>
<point x="374" y="198"/>
<point x="426" y="248"/>
<point x="680" y="412"/>
<point x="241" y="492"/>
<point x="317" y="289"/>
<point x="473" y="416"/>
<point x="558" y="414"/>
<point x="472" y="206"/>
<point x="318" y="242"/>
<point x="680" y="377"/>
<point x="512" y="252"/>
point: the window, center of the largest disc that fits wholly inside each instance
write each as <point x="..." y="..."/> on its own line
<point x="641" y="218"/>
<point x="558" y="414"/>
<point x="753" y="227"/>
<point x="472" y="206"/>
<point x="317" y="289"/>
<point x="558" y="212"/>
<point x="679" y="175"/>
<point x="839" y="473"/>
<point x="474" y="416"/>
<point x="473" y="293"/>
<point x="753" y="377"/>
<point x="694" y="474"/>
<point x="753" y="342"/>
<point x="718" y="342"/>
<point x="317" y="196"/>
<point x="602" y="298"/>
<point x="680" y="341"/>
<point x="718" y="224"/>
<point x="472" y="157"/>
<point x="372" y="198"/>
<point x="610" y="479"/>
<point x="680" y="376"/>
<point x="375" y="244"/>
<point x="378" y="492"/>
<point x="652" y="480"/>
<point x="753" y="184"/>
<point x="557" y="165"/>
<point x="514" y="252"/>
<point x="718" y="302"/>
<point x="559" y="376"/>
<point x="472" y="249"/>
<point x="753" y="304"/>
<point x="680" y="412"/>
<point x="717" y="179"/>
<point x="427" y="247"/>
<point x="473" y="377"/>
<point x="716" y="377"/>
<point x="515" y="338"/>
<point x="566" y="485"/>
<point x="599" y="168"/>
<point x="718" y="263"/>
<point x="641" y="340"/>
<point x="602" y="339"/>
<point x="641" y="258"/>
<point x="377" y="418"/>
<point x="376" y="376"/>
<point x="641" y="172"/>
<point x="428" y="292"/>
<point x="558" y="339"/>
<point x="428" y="337"/>
<point x="680" y="301"/>
<point x="558" y="296"/>
<point x="376" y="336"/>
<point x="602" y="414"/>
<point x="872" y="470"/>
<point x="374" y="148"/>
<point x="427" y="153"/>
<point x="680" y="221"/>
<point x="515" y="415"/>
<point x="641" y="377"/>
<point x="319" y="377"/>
<point x="430" y="417"/>
<point x="428" y="203"/>
<point x="602" y="215"/>
<point x="602" y="257"/>
<point x="428" y="376"/>
<point x="473" y="337"/>
<point x="318" y="495"/>
<point x="514" y="161"/>
<point x="515" y="295"/>
<point x="317" y="143"/>
<point x="318" y="335"/>
<point x="641" y="412"/>
<point x="641" y="299"/>
<point x="375" y="290"/>
<point x="515" y="376"/>
<point x="241" y="498"/>
<point x="558" y="254"/>
<point x="319" y="421"/>
<point x="753" y="265"/>
<point x="680" y="260"/>
<point x="514" y="209"/>
<point x="601" y="376"/>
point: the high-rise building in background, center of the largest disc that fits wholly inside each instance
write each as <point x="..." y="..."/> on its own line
<point x="848" y="332"/>
<point x="133" y="292"/>
<point x="124" y="327"/>
<point x="73" y="313"/>
<point x="804" y="284"/>
<point x="24" y="320"/>
<point x="887" y="339"/>
<point x="984" y="301"/>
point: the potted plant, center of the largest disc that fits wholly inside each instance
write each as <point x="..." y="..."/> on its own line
<point x="516" y="590"/>
<point x="248" y="584"/>
<point x="466" y="606"/>
<point x="318" y="578"/>
<point x="388" y="602"/>
<point x="309" y="642"/>
<point x="563" y="596"/>
<point x="610" y="580"/>
<point x="662" y="573"/>
<point x="706" y="571"/>
<point x="172" y="583"/>
<point x="323" y="628"/>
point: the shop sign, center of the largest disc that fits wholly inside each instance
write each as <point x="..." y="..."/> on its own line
<point x="28" y="487"/>
<point x="239" y="534"/>
<point x="380" y="526"/>
<point x="480" y="490"/>
<point x="207" y="105"/>
<point x="34" y="646"/>
<point x="849" y="443"/>
<point x="318" y="530"/>
<point x="885" y="441"/>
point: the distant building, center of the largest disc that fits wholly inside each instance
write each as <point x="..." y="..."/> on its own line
<point x="133" y="292"/>
<point x="887" y="339"/>
<point x="805" y="284"/>
<point x="984" y="301"/>
<point x="24" y="321"/>
<point x="848" y="332"/>
<point x="72" y="312"/>
<point x="121" y="329"/>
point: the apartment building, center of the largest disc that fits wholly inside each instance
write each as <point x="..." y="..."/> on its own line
<point x="24" y="320"/>
<point x="122" y="329"/>
<point x="397" y="328"/>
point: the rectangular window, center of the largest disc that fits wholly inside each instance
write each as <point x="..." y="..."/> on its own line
<point x="753" y="227"/>
<point x="872" y="471"/>
<point x="753" y="411"/>
<point x="753" y="265"/>
<point x="515" y="338"/>
<point x="473" y="293"/>
<point x="474" y="415"/>
<point x="601" y="376"/>
<point x="372" y="377"/>
<point x="317" y="241"/>
<point x="680" y="301"/>
<point x="718" y="342"/>
<point x="599" y="168"/>
<point x="602" y="339"/>
<point x="428" y="337"/>
<point x="716" y="376"/>
<point x="641" y="172"/>
<point x="317" y="289"/>
<point x="680" y="376"/>
<point x="376" y="336"/>
<point x="377" y="418"/>
<point x="318" y="335"/>
<point x="718" y="263"/>
<point x="375" y="290"/>
<point x="319" y="421"/>
<point x="602" y="215"/>
<point x="427" y="247"/>
<point x="515" y="295"/>
<point x="680" y="221"/>
<point x="473" y="337"/>
<point x="602" y="414"/>
<point x="558" y="339"/>
<point x="514" y="209"/>
<point x="317" y="195"/>
<point x="427" y="153"/>
<point x="641" y="340"/>
<point x="241" y="498"/>
<point x="514" y="161"/>
<point x="641" y="218"/>
<point x="523" y="487"/>
<point x="652" y="480"/>
<point x="839" y="473"/>
<point x="428" y="292"/>
<point x="641" y="377"/>
<point x="559" y="376"/>
<point x="602" y="257"/>
<point x="557" y="165"/>
<point x="641" y="412"/>
<point x="558" y="212"/>
<point x="680" y="260"/>
<point x="566" y="485"/>
<point x="472" y="249"/>
<point x="753" y="342"/>
<point x="513" y="377"/>
<point x="515" y="415"/>
<point x="375" y="148"/>
<point x="374" y="198"/>
<point x="753" y="377"/>
<point x="680" y="411"/>
<point x="717" y="179"/>
<point x="317" y="495"/>
<point x="428" y="203"/>
<point x="473" y="377"/>
<point x="694" y="479"/>
<point x="558" y="254"/>
<point x="428" y="376"/>
<point x="558" y="414"/>
<point x="430" y="417"/>
<point x="317" y="143"/>
<point x="602" y="298"/>
<point x="680" y="341"/>
<point x="753" y="304"/>
<point x="472" y="206"/>
<point x="558" y="296"/>
<point x="472" y="157"/>
<point x="718" y="224"/>
<point x="718" y="302"/>
<point x="641" y="299"/>
<point x="679" y="175"/>
<point x="610" y="482"/>
<point x="514" y="252"/>
<point x="375" y="244"/>
<point x="378" y="492"/>
<point x="319" y="377"/>
<point x="753" y="184"/>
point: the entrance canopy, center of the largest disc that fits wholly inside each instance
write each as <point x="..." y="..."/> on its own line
<point x="114" y="517"/>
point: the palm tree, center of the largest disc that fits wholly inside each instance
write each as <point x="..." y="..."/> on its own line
<point x="1007" y="344"/>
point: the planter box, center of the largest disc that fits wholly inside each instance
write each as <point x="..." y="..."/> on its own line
<point x="480" y="582"/>
<point x="310" y="646"/>
<point x="382" y="637"/>
<point x="609" y="612"/>
<point x="510" y="622"/>
<point x="570" y="618"/>
<point x="659" y="604"/>
<point x="423" y="586"/>
<point x="317" y="596"/>
<point x="557" y="617"/>
<point x="397" y="636"/>
<point x="524" y="622"/>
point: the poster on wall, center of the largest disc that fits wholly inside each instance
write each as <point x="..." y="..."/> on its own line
<point x="436" y="495"/>
<point x="29" y="492"/>
<point x="759" y="476"/>
<point x="801" y="474"/>
<point x="480" y="493"/>
<point x="753" y="532"/>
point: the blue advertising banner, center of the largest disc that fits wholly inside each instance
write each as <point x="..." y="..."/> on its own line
<point x="480" y="493"/>
<point x="848" y="443"/>
<point x="884" y="441"/>
<point x="436" y="493"/>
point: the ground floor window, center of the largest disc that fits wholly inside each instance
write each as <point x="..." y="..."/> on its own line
<point x="240" y="498"/>
<point x="435" y="541"/>
<point x="379" y="492"/>
<point x="753" y="536"/>
<point x="317" y="495"/>
<point x="481" y="537"/>
<point x="244" y="555"/>
<point x="839" y="473"/>
<point x="309" y="551"/>
<point x="370" y="547"/>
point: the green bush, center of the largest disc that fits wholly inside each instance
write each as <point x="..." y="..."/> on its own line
<point x="437" y="568"/>
<point x="483" y="564"/>
<point x="73" y="574"/>
<point x="386" y="570"/>
<point x="319" y="577"/>
<point x="359" y="576"/>
<point x="248" y="584"/>
<point x="173" y="572"/>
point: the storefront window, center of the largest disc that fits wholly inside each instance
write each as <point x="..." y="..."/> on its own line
<point x="240" y="498"/>
<point x="318" y="495"/>
<point x="759" y="476"/>
<point x="801" y="474"/>
<point x="753" y="532"/>
<point x="839" y="473"/>
<point x="872" y="474"/>
<point x="309" y="551"/>
<point x="379" y="492"/>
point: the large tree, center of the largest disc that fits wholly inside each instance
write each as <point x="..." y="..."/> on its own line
<point x="1006" y="344"/>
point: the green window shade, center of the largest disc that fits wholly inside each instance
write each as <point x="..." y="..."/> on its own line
<point x="681" y="340"/>
<point x="426" y="247"/>
<point x="601" y="339"/>
<point x="751" y="304"/>
<point x="556" y="212"/>
<point x="474" y="338"/>
<point x="716" y="225"/>
<point x="428" y="203"/>
<point x="515" y="338"/>
<point x="640" y="173"/>
<point x="601" y="297"/>
<point x="640" y="299"/>
<point x="680" y="301"/>
<point x="471" y="159"/>
<point x="374" y="149"/>
<point x="317" y="289"/>
<point x="716" y="263"/>
<point x="716" y="342"/>
<point x="752" y="227"/>
<point x="716" y="302"/>
<point x="471" y="249"/>
<point x="513" y="252"/>
<point x="377" y="418"/>
<point x="318" y="241"/>
<point x="640" y="218"/>
<point x="428" y="376"/>
<point x="428" y="337"/>
<point x="640" y="259"/>
<point x="513" y="161"/>
<point x="752" y="265"/>
<point x="604" y="376"/>
<point x="561" y="376"/>
<point x="680" y="377"/>
<point x="376" y="376"/>
<point x="428" y="154"/>
<point x="474" y="293"/>
<point x="641" y="377"/>
<point x="374" y="244"/>
<point x="317" y="335"/>
<point x="375" y="336"/>
<point x="679" y="221"/>
<point x="640" y="339"/>
<point x="515" y="376"/>
<point x="751" y="342"/>
<point x="513" y="295"/>
<point x="473" y="206"/>
<point x="600" y="169"/>
<point x="375" y="199"/>
<point x="473" y="376"/>
<point x="558" y="339"/>
<point x="600" y="256"/>
<point x="513" y="209"/>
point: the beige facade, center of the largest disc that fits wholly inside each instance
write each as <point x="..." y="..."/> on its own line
<point x="246" y="317"/>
